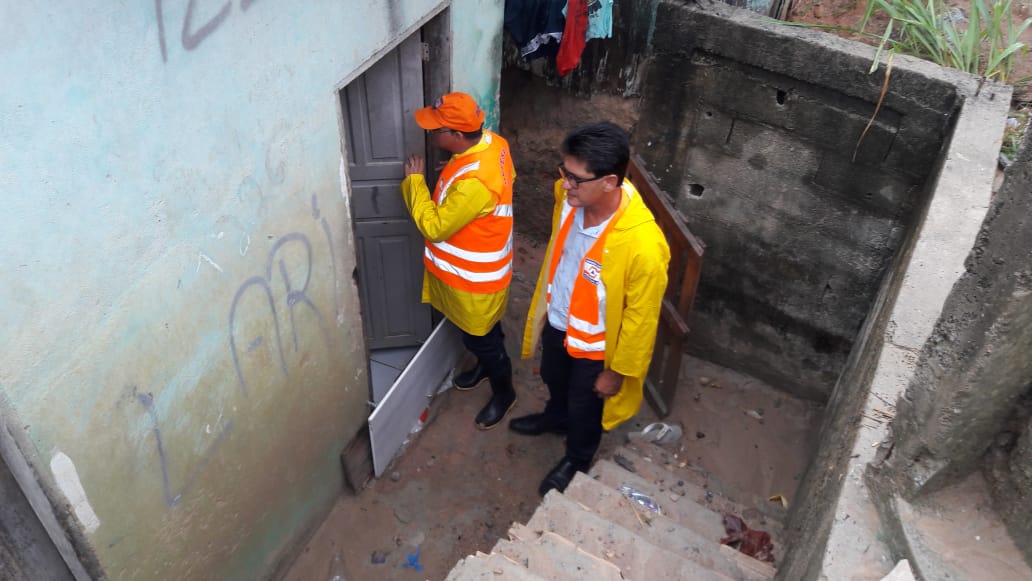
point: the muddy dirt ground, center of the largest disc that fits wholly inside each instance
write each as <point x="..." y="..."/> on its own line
<point x="455" y="490"/>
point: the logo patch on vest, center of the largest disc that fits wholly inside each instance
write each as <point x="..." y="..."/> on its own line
<point x="592" y="271"/>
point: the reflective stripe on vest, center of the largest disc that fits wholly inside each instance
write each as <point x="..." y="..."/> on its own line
<point x="586" y="322"/>
<point x="477" y="258"/>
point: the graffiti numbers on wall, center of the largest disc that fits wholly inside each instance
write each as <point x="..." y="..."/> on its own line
<point x="194" y="31"/>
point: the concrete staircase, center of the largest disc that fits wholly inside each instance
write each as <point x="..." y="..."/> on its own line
<point x="594" y="531"/>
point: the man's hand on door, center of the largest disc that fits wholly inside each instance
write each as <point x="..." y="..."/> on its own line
<point x="415" y="164"/>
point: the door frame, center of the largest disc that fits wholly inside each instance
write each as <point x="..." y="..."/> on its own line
<point x="443" y="347"/>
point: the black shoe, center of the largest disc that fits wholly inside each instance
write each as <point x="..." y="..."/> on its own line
<point x="470" y="378"/>
<point x="503" y="397"/>
<point x="560" y="476"/>
<point x="536" y="424"/>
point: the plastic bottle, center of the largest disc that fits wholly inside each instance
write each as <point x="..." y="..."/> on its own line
<point x="338" y="572"/>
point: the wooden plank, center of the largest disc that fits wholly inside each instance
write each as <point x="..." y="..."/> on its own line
<point x="682" y="284"/>
<point x="674" y="321"/>
<point x="689" y="285"/>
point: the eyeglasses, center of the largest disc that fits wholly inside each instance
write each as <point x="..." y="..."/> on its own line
<point x="565" y="175"/>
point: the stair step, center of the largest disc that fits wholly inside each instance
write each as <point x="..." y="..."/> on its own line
<point x="679" y="467"/>
<point x="555" y="558"/>
<point x="686" y="512"/>
<point x="493" y="567"/>
<point x="660" y="483"/>
<point x="636" y="557"/>
<point x="701" y="546"/>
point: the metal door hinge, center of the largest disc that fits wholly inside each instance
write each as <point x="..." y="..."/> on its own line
<point x="426" y="51"/>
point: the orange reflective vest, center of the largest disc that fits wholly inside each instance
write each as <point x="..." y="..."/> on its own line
<point x="586" y="325"/>
<point x="477" y="258"/>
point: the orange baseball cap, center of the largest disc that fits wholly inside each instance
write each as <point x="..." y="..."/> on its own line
<point x="456" y="111"/>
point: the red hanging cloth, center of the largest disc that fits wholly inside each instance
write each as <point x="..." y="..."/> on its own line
<point x="574" y="37"/>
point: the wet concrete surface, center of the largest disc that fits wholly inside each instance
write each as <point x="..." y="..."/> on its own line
<point x="455" y="490"/>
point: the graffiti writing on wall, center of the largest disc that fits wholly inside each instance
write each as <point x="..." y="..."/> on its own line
<point x="193" y="32"/>
<point x="282" y="295"/>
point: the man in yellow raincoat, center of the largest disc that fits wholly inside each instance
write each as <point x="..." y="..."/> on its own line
<point x="597" y="302"/>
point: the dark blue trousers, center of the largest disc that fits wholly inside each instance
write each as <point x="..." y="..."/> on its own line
<point x="490" y="350"/>
<point x="572" y="397"/>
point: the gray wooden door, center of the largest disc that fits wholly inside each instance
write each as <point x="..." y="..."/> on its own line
<point x="381" y="134"/>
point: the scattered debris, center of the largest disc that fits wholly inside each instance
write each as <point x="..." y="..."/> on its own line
<point x="708" y="382"/>
<point x="752" y="542"/>
<point x="885" y="401"/>
<point x="885" y="413"/>
<point x="378" y="557"/>
<point x="640" y="498"/>
<point x="779" y="498"/>
<point x="624" y="463"/>
<point x="659" y="433"/>
<point x="872" y="418"/>
<point x="675" y="497"/>
<point x="700" y="435"/>
<point x="395" y="476"/>
<point x="755" y="414"/>
<point x="412" y="560"/>
<point x="402" y="514"/>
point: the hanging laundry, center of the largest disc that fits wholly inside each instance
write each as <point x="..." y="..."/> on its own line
<point x="574" y="37"/>
<point x="536" y="26"/>
<point x="600" y="19"/>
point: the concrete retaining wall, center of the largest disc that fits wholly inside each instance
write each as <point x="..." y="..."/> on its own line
<point x="753" y="127"/>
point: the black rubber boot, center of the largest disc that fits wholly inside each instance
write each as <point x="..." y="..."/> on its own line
<point x="503" y="397"/>
<point x="470" y="378"/>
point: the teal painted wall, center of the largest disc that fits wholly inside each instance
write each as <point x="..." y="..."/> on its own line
<point x="477" y="52"/>
<point x="183" y="344"/>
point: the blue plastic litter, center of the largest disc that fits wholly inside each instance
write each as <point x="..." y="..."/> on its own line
<point x="413" y="560"/>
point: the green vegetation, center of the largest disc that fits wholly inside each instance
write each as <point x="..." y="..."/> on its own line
<point x="984" y="42"/>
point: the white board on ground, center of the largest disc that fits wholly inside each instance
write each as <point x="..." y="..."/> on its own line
<point x="391" y="421"/>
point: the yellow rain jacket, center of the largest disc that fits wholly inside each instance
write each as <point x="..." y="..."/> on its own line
<point x="474" y="313"/>
<point x="634" y="272"/>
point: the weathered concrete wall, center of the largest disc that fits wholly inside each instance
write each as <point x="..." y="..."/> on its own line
<point x="537" y="117"/>
<point x="184" y="351"/>
<point x="752" y="127"/>
<point x="834" y="530"/>
<point x="477" y="52"/>
<point x="607" y="65"/>
<point x="1009" y="471"/>
<point x="975" y="370"/>
<point x="976" y="364"/>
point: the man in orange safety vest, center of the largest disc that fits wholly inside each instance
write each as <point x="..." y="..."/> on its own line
<point x="467" y="224"/>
